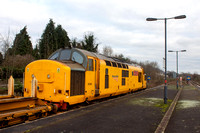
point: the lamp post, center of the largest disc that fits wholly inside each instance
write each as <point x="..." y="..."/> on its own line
<point x="177" y="76"/>
<point x="165" y="19"/>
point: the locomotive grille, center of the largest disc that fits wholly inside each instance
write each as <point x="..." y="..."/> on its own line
<point x="77" y="83"/>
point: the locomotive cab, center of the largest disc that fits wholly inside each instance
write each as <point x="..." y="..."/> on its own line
<point x="59" y="77"/>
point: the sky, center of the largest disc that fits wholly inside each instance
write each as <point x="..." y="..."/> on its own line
<point x="120" y="24"/>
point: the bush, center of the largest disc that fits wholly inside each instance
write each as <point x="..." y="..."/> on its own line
<point x="19" y="88"/>
<point x="7" y="72"/>
<point x="15" y="65"/>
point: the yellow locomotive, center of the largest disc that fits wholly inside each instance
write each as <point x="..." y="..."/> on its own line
<point x="73" y="75"/>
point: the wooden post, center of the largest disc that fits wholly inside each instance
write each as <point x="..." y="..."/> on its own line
<point x="11" y="86"/>
<point x="33" y="87"/>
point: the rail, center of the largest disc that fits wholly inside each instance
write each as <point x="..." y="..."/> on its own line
<point x="195" y="84"/>
<point x="14" y="110"/>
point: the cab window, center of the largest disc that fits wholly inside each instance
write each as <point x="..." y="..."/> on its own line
<point x="55" y="56"/>
<point x="65" y="54"/>
<point x="77" y="57"/>
<point x="90" y="65"/>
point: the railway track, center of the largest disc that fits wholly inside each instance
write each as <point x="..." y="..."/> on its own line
<point x="73" y="111"/>
<point x="195" y="84"/>
<point x="14" y="110"/>
<point x="80" y="109"/>
<point x="19" y="110"/>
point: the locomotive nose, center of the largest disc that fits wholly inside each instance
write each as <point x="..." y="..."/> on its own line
<point x="52" y="80"/>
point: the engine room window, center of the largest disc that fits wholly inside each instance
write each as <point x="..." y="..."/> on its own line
<point x="76" y="57"/>
<point x="55" y="56"/>
<point x="119" y="65"/>
<point x="114" y="64"/>
<point x="139" y="77"/>
<point x="123" y="81"/>
<point x="65" y="54"/>
<point x="125" y="73"/>
<point x="90" y="65"/>
<point x="108" y="63"/>
<point x="124" y="66"/>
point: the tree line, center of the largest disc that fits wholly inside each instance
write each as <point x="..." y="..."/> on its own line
<point x="18" y="52"/>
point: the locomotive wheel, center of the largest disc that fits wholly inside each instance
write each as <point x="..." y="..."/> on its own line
<point x="55" y="108"/>
<point x="86" y="101"/>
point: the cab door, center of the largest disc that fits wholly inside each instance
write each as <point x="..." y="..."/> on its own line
<point x="97" y="72"/>
<point x="90" y="78"/>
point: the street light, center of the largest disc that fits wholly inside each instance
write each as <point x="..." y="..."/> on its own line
<point x="155" y="19"/>
<point x="177" y="64"/>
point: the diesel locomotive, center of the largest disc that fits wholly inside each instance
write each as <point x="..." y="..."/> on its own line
<point x="73" y="75"/>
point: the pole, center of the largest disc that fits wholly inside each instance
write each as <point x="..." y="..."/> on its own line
<point x="165" y="87"/>
<point x="155" y="19"/>
<point x="177" y="70"/>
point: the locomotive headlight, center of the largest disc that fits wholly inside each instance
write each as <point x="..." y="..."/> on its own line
<point x="54" y="91"/>
<point x="48" y="76"/>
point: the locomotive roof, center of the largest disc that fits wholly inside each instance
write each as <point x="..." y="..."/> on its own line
<point x="104" y="57"/>
<point x="86" y="53"/>
<point x="92" y="54"/>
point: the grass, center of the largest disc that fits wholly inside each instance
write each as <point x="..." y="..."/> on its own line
<point x="163" y="106"/>
<point x="2" y="88"/>
<point x="3" y="91"/>
<point x="185" y="86"/>
<point x="153" y="102"/>
<point x="189" y="87"/>
<point x="173" y="87"/>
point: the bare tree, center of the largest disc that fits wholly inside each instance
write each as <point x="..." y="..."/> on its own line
<point x="5" y="42"/>
<point x="107" y="50"/>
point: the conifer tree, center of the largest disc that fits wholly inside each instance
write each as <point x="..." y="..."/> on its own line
<point x="22" y="44"/>
<point x="36" y="52"/>
<point x="74" y="42"/>
<point x="52" y="39"/>
<point x="62" y="37"/>
<point x="89" y="42"/>
<point x="48" y="42"/>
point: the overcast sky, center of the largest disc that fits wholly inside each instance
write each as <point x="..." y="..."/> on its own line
<point x="120" y="24"/>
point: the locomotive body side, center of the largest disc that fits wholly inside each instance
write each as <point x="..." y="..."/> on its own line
<point x="81" y="76"/>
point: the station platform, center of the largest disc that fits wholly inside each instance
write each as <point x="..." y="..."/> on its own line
<point x="186" y="116"/>
<point x="137" y="112"/>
